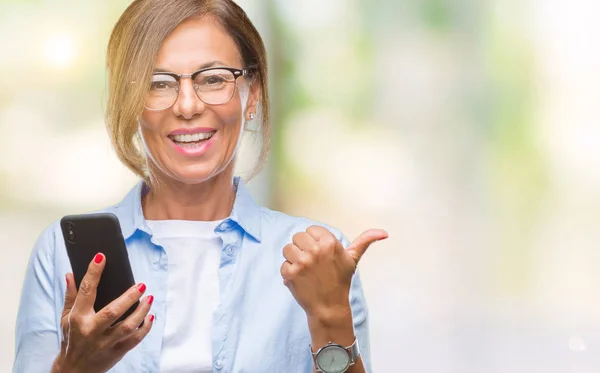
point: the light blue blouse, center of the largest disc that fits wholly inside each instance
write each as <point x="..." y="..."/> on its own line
<point x="257" y="328"/>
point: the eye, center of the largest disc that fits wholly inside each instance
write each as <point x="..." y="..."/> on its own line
<point x="159" y="85"/>
<point x="163" y="82"/>
<point x="213" y="80"/>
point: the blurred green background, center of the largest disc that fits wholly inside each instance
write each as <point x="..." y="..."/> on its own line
<point x="468" y="129"/>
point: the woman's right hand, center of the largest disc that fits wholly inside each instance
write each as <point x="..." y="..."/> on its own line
<point x="89" y="342"/>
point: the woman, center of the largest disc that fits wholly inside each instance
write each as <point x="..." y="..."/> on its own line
<point x="186" y="76"/>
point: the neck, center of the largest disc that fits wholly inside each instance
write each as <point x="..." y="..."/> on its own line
<point x="207" y="201"/>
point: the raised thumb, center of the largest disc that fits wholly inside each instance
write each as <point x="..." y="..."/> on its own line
<point x="359" y="246"/>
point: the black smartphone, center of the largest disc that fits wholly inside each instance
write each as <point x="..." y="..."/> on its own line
<point x="89" y="234"/>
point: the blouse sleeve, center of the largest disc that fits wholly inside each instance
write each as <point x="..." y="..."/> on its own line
<point x="37" y="337"/>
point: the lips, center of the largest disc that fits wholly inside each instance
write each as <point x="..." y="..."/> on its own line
<point x="192" y="142"/>
<point x="191" y="138"/>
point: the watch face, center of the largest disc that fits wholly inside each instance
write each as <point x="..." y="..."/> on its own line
<point x="333" y="359"/>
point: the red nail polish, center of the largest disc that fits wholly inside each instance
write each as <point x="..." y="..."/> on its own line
<point x="67" y="280"/>
<point x="150" y="299"/>
<point x="151" y="318"/>
<point x="141" y="287"/>
<point x="98" y="258"/>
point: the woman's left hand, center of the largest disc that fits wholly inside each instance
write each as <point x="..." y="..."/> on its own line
<point x="318" y="270"/>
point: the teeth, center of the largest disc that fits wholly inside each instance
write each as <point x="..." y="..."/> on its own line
<point x="192" y="137"/>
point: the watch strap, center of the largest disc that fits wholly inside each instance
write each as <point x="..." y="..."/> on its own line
<point x="353" y="351"/>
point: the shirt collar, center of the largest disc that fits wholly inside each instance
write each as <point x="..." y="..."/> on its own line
<point x="246" y="212"/>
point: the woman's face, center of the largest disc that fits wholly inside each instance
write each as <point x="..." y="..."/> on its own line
<point x="194" y="44"/>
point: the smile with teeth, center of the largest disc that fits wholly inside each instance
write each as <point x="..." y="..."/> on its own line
<point x="191" y="140"/>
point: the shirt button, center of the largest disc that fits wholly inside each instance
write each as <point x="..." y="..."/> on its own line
<point x="219" y="364"/>
<point x="225" y="225"/>
<point x="229" y="250"/>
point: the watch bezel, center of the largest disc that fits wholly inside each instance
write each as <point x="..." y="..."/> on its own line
<point x="331" y="346"/>
<point x="353" y="352"/>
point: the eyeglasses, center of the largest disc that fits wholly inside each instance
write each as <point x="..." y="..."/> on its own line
<point x="213" y="86"/>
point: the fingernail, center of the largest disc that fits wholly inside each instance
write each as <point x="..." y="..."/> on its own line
<point x="67" y="280"/>
<point x="98" y="258"/>
<point x="150" y="299"/>
<point x="141" y="287"/>
<point x="151" y="318"/>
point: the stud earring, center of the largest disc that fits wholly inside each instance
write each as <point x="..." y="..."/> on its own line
<point x="252" y="116"/>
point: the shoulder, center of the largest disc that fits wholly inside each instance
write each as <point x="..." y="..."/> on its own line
<point x="281" y="222"/>
<point x="45" y="244"/>
<point x="42" y="262"/>
<point x="50" y="232"/>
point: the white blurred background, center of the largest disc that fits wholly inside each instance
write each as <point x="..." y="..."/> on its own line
<point x="468" y="129"/>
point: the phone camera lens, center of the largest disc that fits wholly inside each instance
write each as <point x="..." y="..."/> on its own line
<point x="71" y="232"/>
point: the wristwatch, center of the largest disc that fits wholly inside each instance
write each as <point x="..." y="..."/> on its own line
<point x="335" y="358"/>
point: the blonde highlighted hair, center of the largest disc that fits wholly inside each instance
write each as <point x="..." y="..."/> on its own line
<point x="132" y="51"/>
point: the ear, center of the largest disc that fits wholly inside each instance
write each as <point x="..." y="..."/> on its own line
<point x="253" y="98"/>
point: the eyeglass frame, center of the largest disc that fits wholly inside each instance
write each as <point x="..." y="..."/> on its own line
<point x="236" y="74"/>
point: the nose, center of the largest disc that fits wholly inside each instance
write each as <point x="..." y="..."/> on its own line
<point x="188" y="104"/>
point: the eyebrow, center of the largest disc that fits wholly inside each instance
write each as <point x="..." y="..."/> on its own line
<point x="203" y="66"/>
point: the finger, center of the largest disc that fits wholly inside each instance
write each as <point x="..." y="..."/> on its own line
<point x="70" y="294"/>
<point x="115" y="309"/>
<point x="318" y="232"/>
<point x="136" y="337"/>
<point x="288" y="271"/>
<point x="328" y="244"/>
<point x="285" y="268"/>
<point x="359" y="246"/>
<point x="292" y="253"/>
<point x="305" y="242"/>
<point x="86" y="295"/>
<point x="130" y="325"/>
